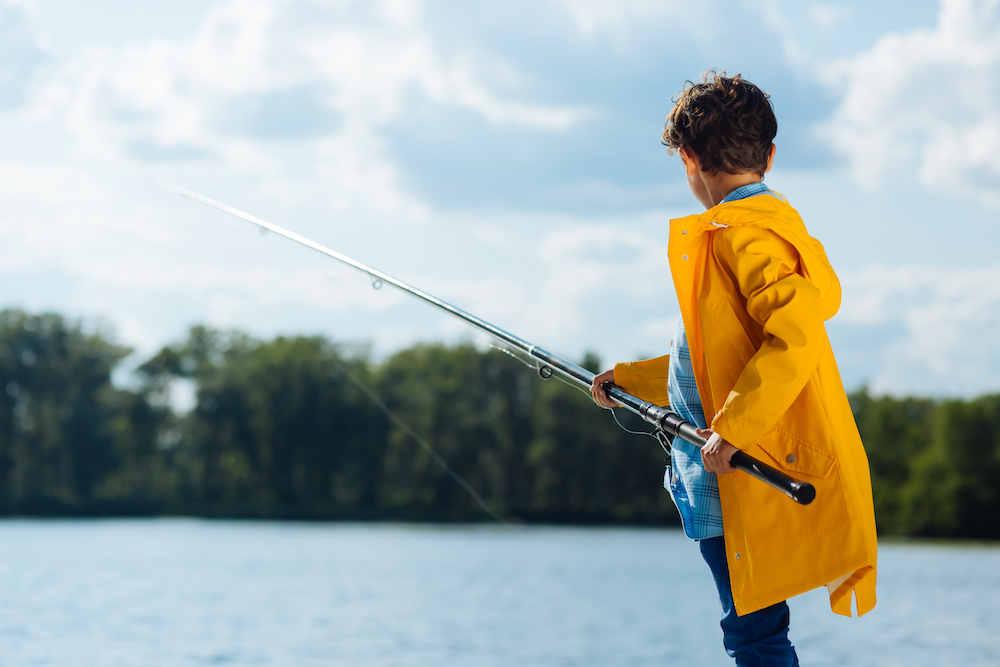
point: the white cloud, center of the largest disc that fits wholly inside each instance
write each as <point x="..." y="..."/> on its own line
<point x="828" y="17"/>
<point x="66" y="215"/>
<point x="68" y="239"/>
<point x="944" y="323"/>
<point x="21" y="53"/>
<point x="286" y="97"/>
<point x="771" y="11"/>
<point x="289" y="108"/>
<point x="593" y="268"/>
<point x="927" y="99"/>
<point x="322" y="78"/>
<point x="620" y="19"/>
<point x="290" y="95"/>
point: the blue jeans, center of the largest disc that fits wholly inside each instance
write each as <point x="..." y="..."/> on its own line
<point x="758" y="639"/>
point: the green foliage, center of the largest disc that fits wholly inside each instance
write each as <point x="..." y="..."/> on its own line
<point x="281" y="428"/>
<point x="935" y="465"/>
<point x="56" y="408"/>
<point x="277" y="429"/>
<point x="474" y="409"/>
<point x="955" y="489"/>
<point x="284" y="428"/>
<point x="895" y="432"/>
<point x="586" y="466"/>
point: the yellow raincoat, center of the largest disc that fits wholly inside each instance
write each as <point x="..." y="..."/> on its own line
<point x="754" y="291"/>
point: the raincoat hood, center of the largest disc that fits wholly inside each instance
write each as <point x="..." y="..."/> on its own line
<point x="773" y="212"/>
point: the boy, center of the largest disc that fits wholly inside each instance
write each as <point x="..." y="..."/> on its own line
<point x="751" y="353"/>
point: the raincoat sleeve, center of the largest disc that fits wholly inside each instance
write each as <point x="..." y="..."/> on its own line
<point x="787" y="307"/>
<point x="645" y="379"/>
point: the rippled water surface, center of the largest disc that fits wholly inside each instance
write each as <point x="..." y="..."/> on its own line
<point x="186" y="592"/>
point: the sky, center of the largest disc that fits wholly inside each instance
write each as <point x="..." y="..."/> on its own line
<point x="502" y="156"/>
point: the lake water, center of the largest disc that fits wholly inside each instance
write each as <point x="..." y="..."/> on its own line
<point x="188" y="592"/>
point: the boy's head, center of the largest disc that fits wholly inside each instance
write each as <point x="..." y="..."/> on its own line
<point x="726" y="121"/>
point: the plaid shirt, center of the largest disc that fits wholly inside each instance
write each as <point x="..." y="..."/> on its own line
<point x="693" y="489"/>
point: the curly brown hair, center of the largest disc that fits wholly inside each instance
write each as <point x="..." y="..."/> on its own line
<point x="728" y="122"/>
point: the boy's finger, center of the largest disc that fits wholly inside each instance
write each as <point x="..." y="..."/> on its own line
<point x="600" y="397"/>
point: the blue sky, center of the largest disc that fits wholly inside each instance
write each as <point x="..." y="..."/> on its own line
<point x="504" y="156"/>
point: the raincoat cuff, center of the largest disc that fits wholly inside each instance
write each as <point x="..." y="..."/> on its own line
<point x="722" y="424"/>
<point x="646" y="379"/>
<point x="623" y="374"/>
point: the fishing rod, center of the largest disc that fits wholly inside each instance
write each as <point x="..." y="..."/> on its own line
<point x="662" y="419"/>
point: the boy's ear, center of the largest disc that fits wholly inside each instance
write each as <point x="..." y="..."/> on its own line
<point x="770" y="158"/>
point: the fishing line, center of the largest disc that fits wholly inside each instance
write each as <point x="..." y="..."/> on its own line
<point x="370" y="393"/>
<point x="511" y="354"/>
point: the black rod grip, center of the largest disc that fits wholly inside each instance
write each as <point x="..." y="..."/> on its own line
<point x="669" y="421"/>
<point x="801" y="492"/>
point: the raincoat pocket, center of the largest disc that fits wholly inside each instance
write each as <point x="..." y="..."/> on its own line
<point x="798" y="522"/>
<point x="796" y="455"/>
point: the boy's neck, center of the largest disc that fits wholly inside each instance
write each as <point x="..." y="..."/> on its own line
<point x="711" y="189"/>
<point x="717" y="187"/>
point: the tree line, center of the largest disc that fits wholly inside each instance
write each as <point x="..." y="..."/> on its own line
<point x="288" y="428"/>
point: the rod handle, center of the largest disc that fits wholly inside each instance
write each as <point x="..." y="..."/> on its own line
<point x="801" y="492"/>
<point x="669" y="421"/>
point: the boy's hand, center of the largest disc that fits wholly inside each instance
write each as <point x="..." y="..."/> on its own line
<point x="597" y="391"/>
<point x="716" y="453"/>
